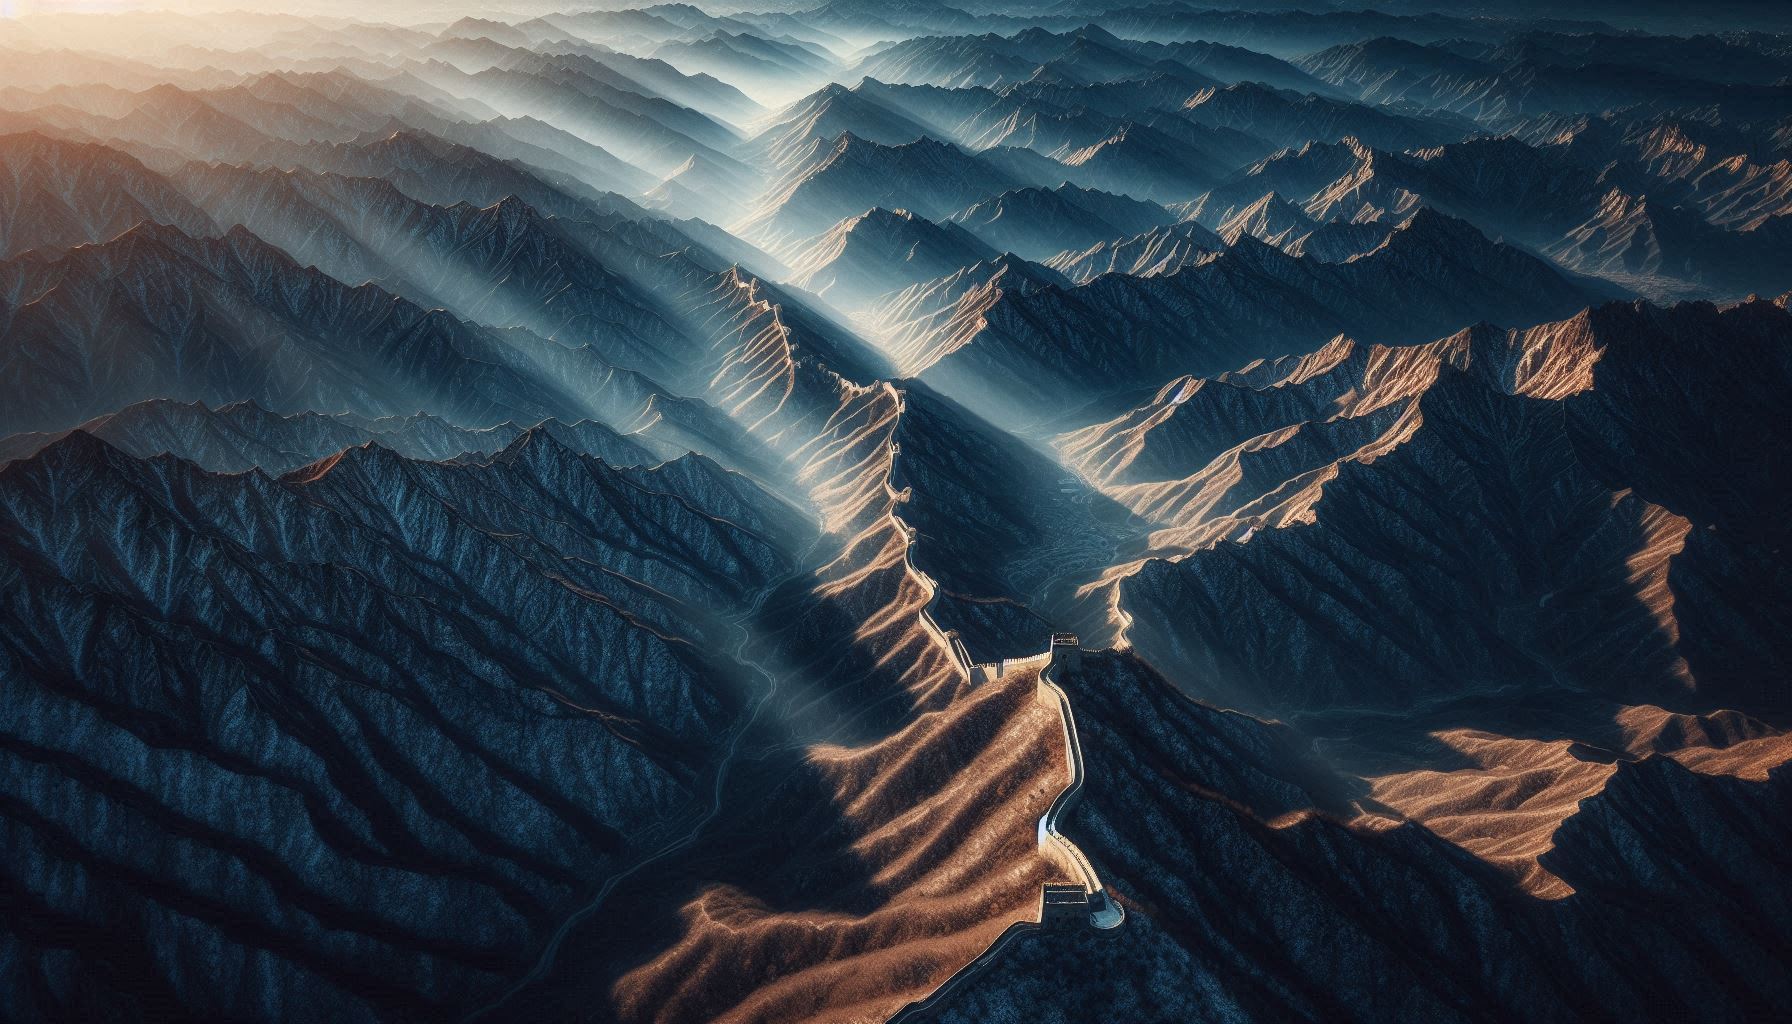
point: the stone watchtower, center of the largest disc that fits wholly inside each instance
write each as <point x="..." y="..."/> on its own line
<point x="1067" y="651"/>
<point x="1063" y="906"/>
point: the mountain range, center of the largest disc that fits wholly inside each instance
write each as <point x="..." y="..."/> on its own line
<point x="846" y="512"/>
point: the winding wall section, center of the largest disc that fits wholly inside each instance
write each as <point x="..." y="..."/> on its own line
<point x="1103" y="912"/>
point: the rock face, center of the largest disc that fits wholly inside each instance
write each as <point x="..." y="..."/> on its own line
<point x="673" y="515"/>
<point x="1162" y="250"/>
<point x="156" y="312"/>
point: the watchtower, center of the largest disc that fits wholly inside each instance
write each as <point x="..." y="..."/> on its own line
<point x="1067" y="651"/>
<point x="1063" y="905"/>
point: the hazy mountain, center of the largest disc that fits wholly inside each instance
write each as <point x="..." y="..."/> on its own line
<point x="242" y="436"/>
<point x="1295" y="120"/>
<point x="503" y="265"/>
<point x="437" y="171"/>
<point x="924" y="323"/>
<point x="850" y="174"/>
<point x="1395" y="71"/>
<point x="824" y="116"/>
<point x="882" y="251"/>
<point x="1037" y="223"/>
<point x="218" y="320"/>
<point x="60" y="194"/>
<point x="1161" y="250"/>
<point x="649" y="132"/>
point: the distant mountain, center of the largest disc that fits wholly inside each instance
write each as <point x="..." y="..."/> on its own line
<point x="702" y="92"/>
<point x="924" y="323"/>
<point x="1716" y="58"/>
<point x="1397" y="72"/>
<point x="223" y="320"/>
<point x="1288" y="34"/>
<point x="1294" y="120"/>
<point x="1081" y="56"/>
<point x="166" y="118"/>
<point x="503" y="265"/>
<point x="792" y="132"/>
<point x="1056" y="346"/>
<point x="745" y="56"/>
<point x="882" y="251"/>
<point x="1270" y="219"/>
<point x="535" y="143"/>
<point x="60" y="194"/>
<point x="700" y="187"/>
<point x="571" y="93"/>
<point x="952" y="62"/>
<point x="1038" y="223"/>
<point x="1147" y="164"/>
<point x="1231" y="64"/>
<point x="931" y="178"/>
<point x="1556" y="197"/>
<point x="242" y="436"/>
<point x="442" y="172"/>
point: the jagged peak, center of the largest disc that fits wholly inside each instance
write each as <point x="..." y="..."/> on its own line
<point x="537" y="446"/>
<point x="1430" y="229"/>
<point x="1252" y="251"/>
<point x="1009" y="265"/>
<point x="1269" y="213"/>
<point x="32" y="141"/>
<point x="883" y="215"/>
<point x="77" y="449"/>
<point x="369" y="458"/>
<point x="512" y="212"/>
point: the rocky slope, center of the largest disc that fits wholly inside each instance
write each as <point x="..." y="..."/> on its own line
<point x="362" y="761"/>
<point x="844" y="176"/>
<point x="1260" y="893"/>
<point x="1162" y="250"/>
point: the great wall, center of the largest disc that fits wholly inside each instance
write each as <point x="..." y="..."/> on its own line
<point x="1083" y="901"/>
<point x="1080" y="899"/>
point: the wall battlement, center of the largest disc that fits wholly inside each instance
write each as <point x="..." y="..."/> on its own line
<point x="1079" y="901"/>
